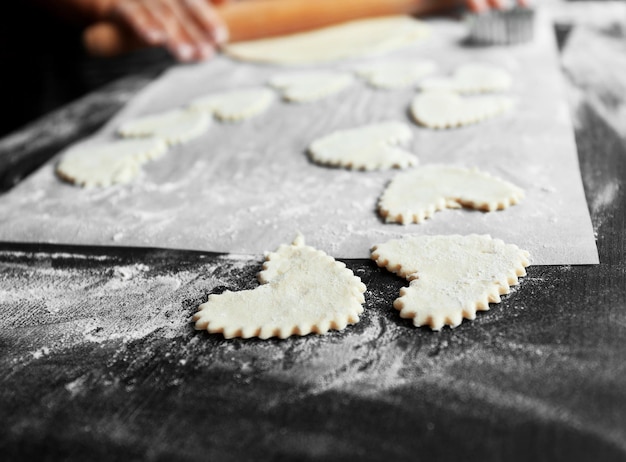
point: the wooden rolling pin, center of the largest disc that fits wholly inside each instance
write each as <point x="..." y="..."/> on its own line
<point x="249" y="20"/>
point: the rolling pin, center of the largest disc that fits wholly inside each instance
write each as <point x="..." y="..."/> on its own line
<point x="255" y="19"/>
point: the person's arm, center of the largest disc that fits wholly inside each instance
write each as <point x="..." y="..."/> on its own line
<point x="189" y="29"/>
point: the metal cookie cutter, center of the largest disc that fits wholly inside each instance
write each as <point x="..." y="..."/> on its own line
<point x="501" y="27"/>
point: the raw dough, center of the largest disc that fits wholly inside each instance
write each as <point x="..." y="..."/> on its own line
<point x="303" y="290"/>
<point x="471" y="78"/>
<point x="235" y="105"/>
<point x="175" y="126"/>
<point x="370" y="147"/>
<point x="444" y="109"/>
<point x="309" y="86"/>
<point x="415" y="195"/>
<point x="351" y="39"/>
<point x="106" y="164"/>
<point x="451" y="277"/>
<point x="395" y="74"/>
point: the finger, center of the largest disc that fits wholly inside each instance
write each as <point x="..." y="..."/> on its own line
<point x="190" y="27"/>
<point x="208" y="20"/>
<point x="477" y="6"/>
<point x="177" y="41"/>
<point x="498" y="4"/>
<point x="138" y="18"/>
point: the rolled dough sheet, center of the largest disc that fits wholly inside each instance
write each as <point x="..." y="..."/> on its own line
<point x="241" y="188"/>
<point x="355" y="38"/>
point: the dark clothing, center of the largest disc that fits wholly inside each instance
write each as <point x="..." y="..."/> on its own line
<point x="44" y="65"/>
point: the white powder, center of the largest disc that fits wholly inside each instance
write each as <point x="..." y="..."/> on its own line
<point x="64" y="305"/>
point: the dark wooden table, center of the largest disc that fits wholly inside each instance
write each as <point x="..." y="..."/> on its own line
<point x="100" y="361"/>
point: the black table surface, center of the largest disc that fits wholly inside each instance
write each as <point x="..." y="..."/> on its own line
<point x="100" y="360"/>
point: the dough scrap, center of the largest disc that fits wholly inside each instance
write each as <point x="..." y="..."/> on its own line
<point x="451" y="277"/>
<point x="416" y="195"/>
<point x="234" y="105"/>
<point x="370" y="147"/>
<point x="106" y="164"/>
<point x="394" y="74"/>
<point x="443" y="109"/>
<point x="174" y="126"/>
<point x="302" y="290"/>
<point x="471" y="78"/>
<point x="350" y="39"/>
<point x="309" y="86"/>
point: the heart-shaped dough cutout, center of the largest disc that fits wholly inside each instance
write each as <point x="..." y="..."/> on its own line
<point x="304" y="87"/>
<point x="452" y="277"/>
<point x="235" y="105"/>
<point x="109" y="163"/>
<point x="175" y="126"/>
<point x="394" y="74"/>
<point x="471" y="78"/>
<point x="370" y="147"/>
<point x="303" y="290"/>
<point x="414" y="196"/>
<point x="443" y="109"/>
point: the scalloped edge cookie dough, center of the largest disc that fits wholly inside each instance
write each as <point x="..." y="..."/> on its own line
<point x="351" y="39"/>
<point x="303" y="290"/>
<point x="471" y="78"/>
<point x="392" y="74"/>
<point x="413" y="196"/>
<point x="308" y="86"/>
<point x="174" y="126"/>
<point x="108" y="163"/>
<point x="444" y="109"/>
<point x="451" y="277"/>
<point x="369" y="147"/>
<point x="234" y="105"/>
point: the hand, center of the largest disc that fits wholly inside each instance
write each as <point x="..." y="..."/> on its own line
<point x="190" y="29"/>
<point x="482" y="5"/>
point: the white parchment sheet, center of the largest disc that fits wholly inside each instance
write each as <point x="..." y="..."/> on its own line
<point x="248" y="187"/>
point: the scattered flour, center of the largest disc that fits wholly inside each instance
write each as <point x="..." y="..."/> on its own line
<point x="75" y="387"/>
<point x="41" y="352"/>
<point x="64" y="302"/>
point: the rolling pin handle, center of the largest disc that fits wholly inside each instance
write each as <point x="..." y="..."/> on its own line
<point x="250" y="20"/>
<point x="107" y="39"/>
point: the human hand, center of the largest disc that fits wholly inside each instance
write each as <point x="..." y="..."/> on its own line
<point x="483" y="5"/>
<point x="190" y="29"/>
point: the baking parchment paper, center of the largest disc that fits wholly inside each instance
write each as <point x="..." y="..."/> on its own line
<point x="248" y="187"/>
